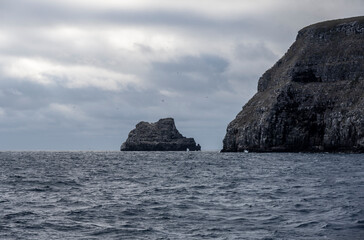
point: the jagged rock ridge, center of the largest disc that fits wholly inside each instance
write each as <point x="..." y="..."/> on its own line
<point x="312" y="99"/>
<point x="160" y="136"/>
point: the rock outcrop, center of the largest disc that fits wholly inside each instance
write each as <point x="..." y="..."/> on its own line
<point x="160" y="136"/>
<point x="312" y="99"/>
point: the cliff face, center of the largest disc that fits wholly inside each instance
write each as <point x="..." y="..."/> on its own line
<point x="160" y="136"/>
<point x="312" y="99"/>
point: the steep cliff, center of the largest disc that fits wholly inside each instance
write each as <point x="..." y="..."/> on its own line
<point x="160" y="136"/>
<point x="312" y="99"/>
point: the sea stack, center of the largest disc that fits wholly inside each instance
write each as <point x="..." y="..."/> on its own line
<point x="159" y="136"/>
<point x="312" y="99"/>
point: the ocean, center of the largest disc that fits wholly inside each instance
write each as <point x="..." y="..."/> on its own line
<point x="181" y="195"/>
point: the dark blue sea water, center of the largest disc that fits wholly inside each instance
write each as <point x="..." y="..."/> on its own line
<point x="180" y="195"/>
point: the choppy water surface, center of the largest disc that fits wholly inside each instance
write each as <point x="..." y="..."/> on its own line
<point x="180" y="195"/>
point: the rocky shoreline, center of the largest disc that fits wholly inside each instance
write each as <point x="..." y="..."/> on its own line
<point x="312" y="99"/>
<point x="159" y="136"/>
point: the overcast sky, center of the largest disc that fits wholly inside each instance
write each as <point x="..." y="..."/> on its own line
<point x="79" y="75"/>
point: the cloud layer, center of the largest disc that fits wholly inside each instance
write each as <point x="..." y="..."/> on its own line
<point x="78" y="75"/>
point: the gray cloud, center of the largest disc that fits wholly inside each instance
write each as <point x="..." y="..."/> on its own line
<point x="201" y="74"/>
<point x="254" y="51"/>
<point x="49" y="13"/>
<point x="205" y="63"/>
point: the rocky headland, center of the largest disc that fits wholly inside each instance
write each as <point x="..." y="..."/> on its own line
<point x="312" y="99"/>
<point x="159" y="136"/>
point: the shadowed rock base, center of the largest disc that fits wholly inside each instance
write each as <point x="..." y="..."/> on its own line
<point x="160" y="136"/>
<point x="312" y="99"/>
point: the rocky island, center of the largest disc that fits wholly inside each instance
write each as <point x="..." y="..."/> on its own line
<point x="312" y="99"/>
<point x="159" y="136"/>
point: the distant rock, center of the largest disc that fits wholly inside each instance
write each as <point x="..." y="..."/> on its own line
<point x="160" y="136"/>
<point x="312" y="99"/>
